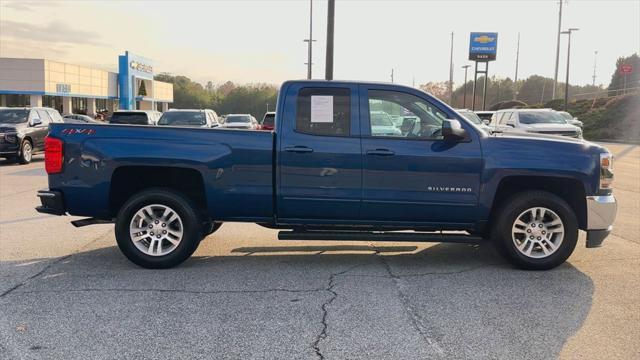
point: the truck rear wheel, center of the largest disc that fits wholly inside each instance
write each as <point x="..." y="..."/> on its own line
<point x="158" y="228"/>
<point x="535" y="230"/>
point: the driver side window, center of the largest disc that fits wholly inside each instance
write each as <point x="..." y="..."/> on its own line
<point x="401" y="115"/>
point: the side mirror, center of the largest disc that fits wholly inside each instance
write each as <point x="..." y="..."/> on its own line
<point x="486" y="121"/>
<point x="452" y="130"/>
<point x="36" y="121"/>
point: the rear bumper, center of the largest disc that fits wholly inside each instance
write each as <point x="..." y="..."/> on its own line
<point x="52" y="202"/>
<point x="601" y="213"/>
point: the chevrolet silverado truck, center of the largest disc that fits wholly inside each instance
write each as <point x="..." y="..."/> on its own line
<point x="323" y="174"/>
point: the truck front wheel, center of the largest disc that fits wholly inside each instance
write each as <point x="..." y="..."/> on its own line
<point x="535" y="230"/>
<point x="158" y="228"/>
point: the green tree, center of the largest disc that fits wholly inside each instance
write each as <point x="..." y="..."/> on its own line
<point x="633" y="79"/>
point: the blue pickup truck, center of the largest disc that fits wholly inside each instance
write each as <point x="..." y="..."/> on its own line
<point x="327" y="172"/>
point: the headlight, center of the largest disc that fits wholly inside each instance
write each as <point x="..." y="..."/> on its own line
<point x="606" y="171"/>
<point x="11" y="137"/>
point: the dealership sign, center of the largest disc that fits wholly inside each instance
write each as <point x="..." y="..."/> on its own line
<point x="626" y="69"/>
<point x="63" y="88"/>
<point x="483" y="46"/>
<point x="142" y="67"/>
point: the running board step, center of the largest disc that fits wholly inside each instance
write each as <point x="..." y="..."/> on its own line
<point x="379" y="236"/>
<point x="89" y="221"/>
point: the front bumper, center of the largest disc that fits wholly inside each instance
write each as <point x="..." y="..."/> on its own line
<point x="9" y="148"/>
<point x="601" y="212"/>
<point x="52" y="202"/>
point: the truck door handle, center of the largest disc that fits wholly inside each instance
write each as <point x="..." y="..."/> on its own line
<point x="381" y="152"/>
<point x="298" y="149"/>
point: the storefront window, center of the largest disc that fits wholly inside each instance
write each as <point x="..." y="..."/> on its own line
<point x="79" y="105"/>
<point x="54" y="102"/>
<point x="14" y="100"/>
<point x="101" y="104"/>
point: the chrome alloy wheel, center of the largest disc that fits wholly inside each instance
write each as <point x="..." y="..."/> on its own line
<point x="27" y="151"/>
<point x="537" y="232"/>
<point x="156" y="230"/>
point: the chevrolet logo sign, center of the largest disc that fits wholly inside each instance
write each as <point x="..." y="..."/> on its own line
<point x="483" y="39"/>
<point x="141" y="67"/>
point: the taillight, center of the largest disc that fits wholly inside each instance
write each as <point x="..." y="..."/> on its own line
<point x="606" y="171"/>
<point x="53" y="155"/>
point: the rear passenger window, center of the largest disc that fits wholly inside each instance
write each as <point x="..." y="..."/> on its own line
<point x="55" y="116"/>
<point x="324" y="111"/>
<point x="44" y="117"/>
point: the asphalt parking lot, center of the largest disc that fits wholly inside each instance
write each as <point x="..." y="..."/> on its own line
<point x="69" y="293"/>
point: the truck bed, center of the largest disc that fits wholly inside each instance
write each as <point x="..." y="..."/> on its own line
<point x="236" y="167"/>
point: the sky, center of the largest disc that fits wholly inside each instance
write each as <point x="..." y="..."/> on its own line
<point x="262" y="41"/>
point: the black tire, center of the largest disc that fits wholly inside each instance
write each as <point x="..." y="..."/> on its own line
<point x="191" y="223"/>
<point x="509" y="212"/>
<point x="210" y="228"/>
<point x="26" y="152"/>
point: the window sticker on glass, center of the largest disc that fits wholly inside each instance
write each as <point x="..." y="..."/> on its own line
<point x="321" y="109"/>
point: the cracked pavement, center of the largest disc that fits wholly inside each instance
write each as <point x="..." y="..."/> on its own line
<point x="69" y="293"/>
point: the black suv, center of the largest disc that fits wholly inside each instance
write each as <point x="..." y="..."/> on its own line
<point x="22" y="131"/>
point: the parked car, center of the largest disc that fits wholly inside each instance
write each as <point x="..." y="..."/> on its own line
<point x="382" y="125"/>
<point x="538" y="121"/>
<point x="325" y="174"/>
<point x="485" y="116"/>
<point x="571" y="119"/>
<point x="240" y="121"/>
<point x="22" y="131"/>
<point x="268" y="121"/>
<point x="79" y="119"/>
<point x="135" y="117"/>
<point x="205" y="118"/>
<point x="474" y="118"/>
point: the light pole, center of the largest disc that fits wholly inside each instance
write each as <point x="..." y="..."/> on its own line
<point x="566" y="85"/>
<point x="555" y="76"/>
<point x="464" y="87"/>
<point x="515" y="79"/>
<point x="310" y="39"/>
<point x="595" y="62"/>
<point x="331" y="9"/>
<point x="451" y="73"/>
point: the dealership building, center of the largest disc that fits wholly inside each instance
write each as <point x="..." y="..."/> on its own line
<point x="80" y="89"/>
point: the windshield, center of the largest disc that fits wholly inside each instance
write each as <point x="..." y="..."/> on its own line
<point x="13" y="116"/>
<point x="237" y="119"/>
<point x="565" y="115"/>
<point x="473" y="117"/>
<point x="381" y="119"/>
<point x="178" y="118"/>
<point x="541" y="117"/>
<point x="136" y="118"/>
<point x="269" y="119"/>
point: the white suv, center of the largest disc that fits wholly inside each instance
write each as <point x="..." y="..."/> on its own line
<point x="539" y="121"/>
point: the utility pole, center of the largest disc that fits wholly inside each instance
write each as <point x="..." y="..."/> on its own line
<point x="464" y="87"/>
<point x="413" y="82"/>
<point x="328" y="75"/>
<point x="391" y="74"/>
<point x="310" y="40"/>
<point x="555" y="76"/>
<point x="595" y="59"/>
<point x="451" y="72"/>
<point x="566" y="85"/>
<point x="515" y="78"/>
